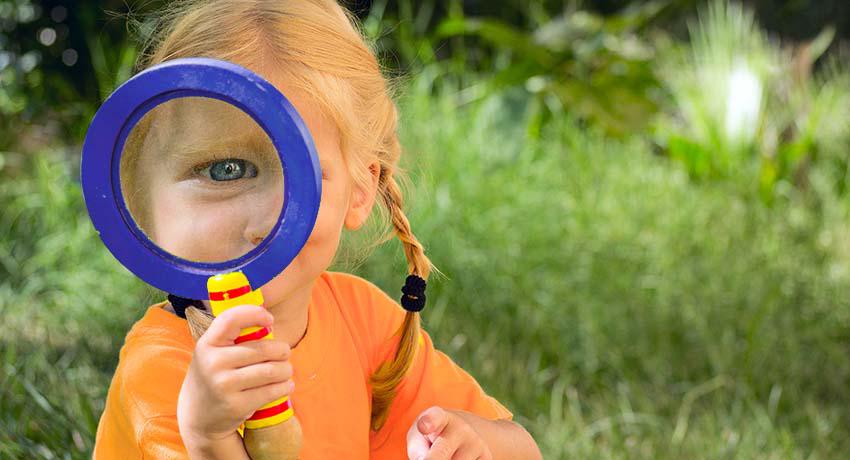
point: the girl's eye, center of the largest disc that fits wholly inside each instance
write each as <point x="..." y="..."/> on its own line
<point x="229" y="169"/>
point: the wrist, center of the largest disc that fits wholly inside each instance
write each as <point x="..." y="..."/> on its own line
<point x="207" y="447"/>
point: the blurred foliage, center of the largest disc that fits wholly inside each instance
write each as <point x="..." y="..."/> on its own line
<point x="59" y="59"/>
<point x="597" y="68"/>
<point x="64" y="308"/>
<point x="57" y="62"/>
<point x="745" y="106"/>
<point x="629" y="311"/>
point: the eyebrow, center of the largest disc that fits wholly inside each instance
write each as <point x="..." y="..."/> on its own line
<point x="190" y="152"/>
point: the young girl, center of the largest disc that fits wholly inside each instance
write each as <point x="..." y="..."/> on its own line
<point x="369" y="382"/>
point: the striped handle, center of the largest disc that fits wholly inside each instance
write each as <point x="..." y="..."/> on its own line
<point x="227" y="291"/>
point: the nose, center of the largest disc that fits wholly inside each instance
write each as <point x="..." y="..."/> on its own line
<point x="260" y="226"/>
<point x="264" y="215"/>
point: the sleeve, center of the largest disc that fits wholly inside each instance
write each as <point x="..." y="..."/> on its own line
<point x="432" y="380"/>
<point x="160" y="439"/>
<point x="157" y="438"/>
<point x="139" y="420"/>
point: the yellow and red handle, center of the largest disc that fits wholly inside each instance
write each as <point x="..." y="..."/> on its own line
<point x="225" y="292"/>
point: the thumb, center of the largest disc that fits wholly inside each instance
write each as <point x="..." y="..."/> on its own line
<point x="225" y="328"/>
<point x="432" y="421"/>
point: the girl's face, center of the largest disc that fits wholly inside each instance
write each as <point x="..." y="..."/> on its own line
<point x="213" y="183"/>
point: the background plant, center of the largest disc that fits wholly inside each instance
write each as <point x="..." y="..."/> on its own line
<point x="596" y="68"/>
<point x="743" y="106"/>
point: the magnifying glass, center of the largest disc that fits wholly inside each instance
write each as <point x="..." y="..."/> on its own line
<point x="203" y="180"/>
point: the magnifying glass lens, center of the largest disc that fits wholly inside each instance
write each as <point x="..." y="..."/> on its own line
<point x="201" y="179"/>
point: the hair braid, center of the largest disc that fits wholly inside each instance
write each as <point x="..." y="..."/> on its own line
<point x="388" y="376"/>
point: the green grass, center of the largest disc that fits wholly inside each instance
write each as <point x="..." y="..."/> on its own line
<point x="617" y="308"/>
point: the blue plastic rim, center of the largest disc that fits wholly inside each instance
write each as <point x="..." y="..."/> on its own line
<point x="236" y="85"/>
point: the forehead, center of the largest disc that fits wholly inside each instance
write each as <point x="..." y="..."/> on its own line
<point x="319" y="121"/>
<point x="197" y="116"/>
<point x="322" y="127"/>
<point x="199" y="119"/>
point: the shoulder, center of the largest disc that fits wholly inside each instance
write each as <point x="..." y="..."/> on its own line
<point x="361" y="296"/>
<point x="151" y="366"/>
<point x="348" y="284"/>
<point x="367" y="310"/>
<point x="153" y="362"/>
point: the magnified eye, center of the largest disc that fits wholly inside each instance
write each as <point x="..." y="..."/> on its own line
<point x="229" y="169"/>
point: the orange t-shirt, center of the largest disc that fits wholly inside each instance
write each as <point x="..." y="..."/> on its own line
<point x="352" y="329"/>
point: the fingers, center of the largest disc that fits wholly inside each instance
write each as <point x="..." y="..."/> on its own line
<point x="225" y="327"/>
<point x="445" y="446"/>
<point x="257" y="397"/>
<point x="256" y="351"/>
<point x="417" y="444"/>
<point x="442" y="435"/>
<point x="423" y="436"/>
<point x="464" y="453"/>
<point x="460" y="442"/>
<point x="261" y="374"/>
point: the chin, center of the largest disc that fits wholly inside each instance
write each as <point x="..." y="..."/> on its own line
<point x="315" y="257"/>
<point x="286" y="284"/>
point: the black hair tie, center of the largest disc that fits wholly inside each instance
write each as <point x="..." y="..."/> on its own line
<point x="414" y="294"/>
<point x="180" y="304"/>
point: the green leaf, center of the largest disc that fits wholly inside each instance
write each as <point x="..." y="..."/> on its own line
<point x="691" y="154"/>
<point x="497" y="33"/>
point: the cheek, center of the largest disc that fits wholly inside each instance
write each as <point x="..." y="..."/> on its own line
<point x="325" y="237"/>
<point x="194" y="231"/>
<point x="330" y="220"/>
<point x="317" y="254"/>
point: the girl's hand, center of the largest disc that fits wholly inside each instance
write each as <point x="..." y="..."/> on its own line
<point x="438" y="434"/>
<point x="226" y="382"/>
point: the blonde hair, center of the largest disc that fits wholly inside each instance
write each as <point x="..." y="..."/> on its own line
<point x="317" y="46"/>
